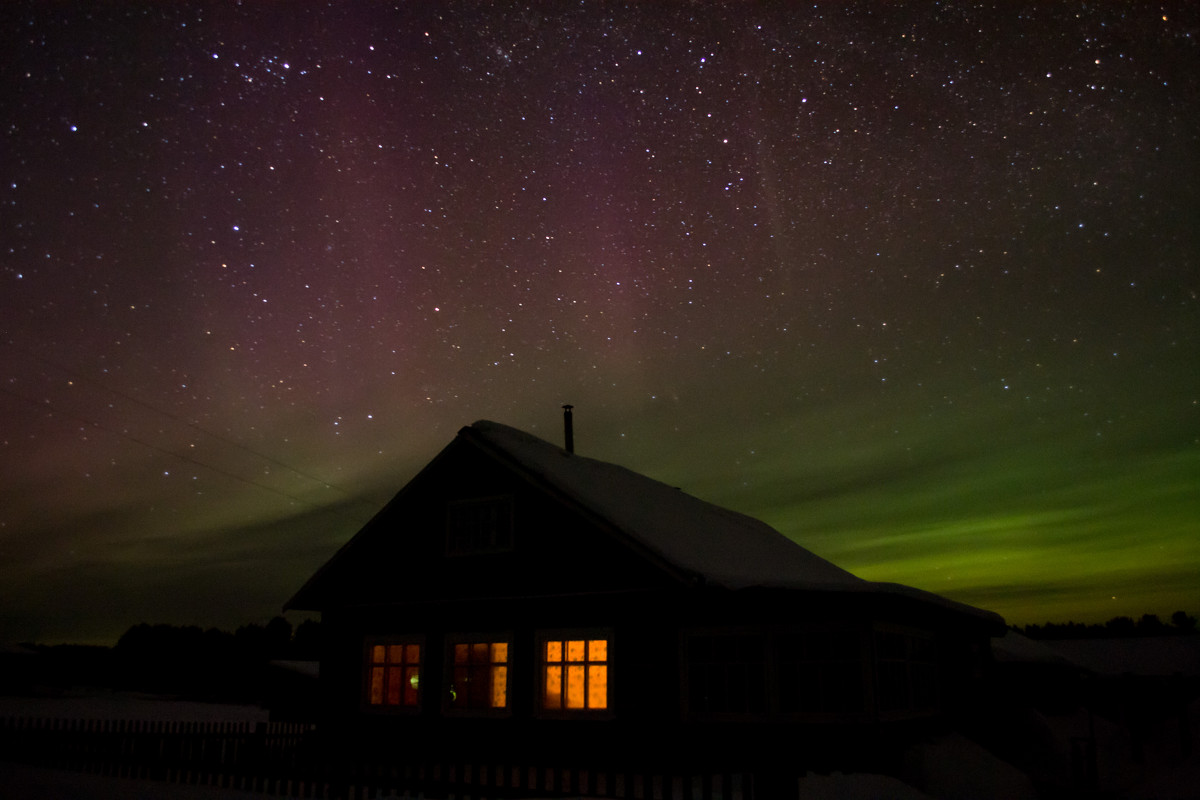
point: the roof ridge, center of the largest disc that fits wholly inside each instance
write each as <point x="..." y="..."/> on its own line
<point x="724" y="546"/>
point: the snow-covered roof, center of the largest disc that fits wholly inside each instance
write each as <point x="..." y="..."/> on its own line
<point x="721" y="546"/>
<point x="1017" y="648"/>
<point x="309" y="669"/>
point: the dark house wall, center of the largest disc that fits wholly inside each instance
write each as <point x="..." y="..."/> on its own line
<point x="402" y="556"/>
<point x="545" y="564"/>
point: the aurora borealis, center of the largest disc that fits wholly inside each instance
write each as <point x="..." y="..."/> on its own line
<point x="915" y="283"/>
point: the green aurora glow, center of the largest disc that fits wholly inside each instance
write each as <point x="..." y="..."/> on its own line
<point x="915" y="284"/>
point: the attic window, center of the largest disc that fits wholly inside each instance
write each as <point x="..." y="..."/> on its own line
<point x="393" y="674"/>
<point x="478" y="675"/>
<point x="483" y="525"/>
<point x="574" y="675"/>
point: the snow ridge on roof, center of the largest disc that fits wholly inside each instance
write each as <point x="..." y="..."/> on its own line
<point x="722" y="546"/>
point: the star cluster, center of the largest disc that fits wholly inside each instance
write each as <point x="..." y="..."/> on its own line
<point x="914" y="283"/>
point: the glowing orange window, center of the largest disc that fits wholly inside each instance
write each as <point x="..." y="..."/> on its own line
<point x="575" y="675"/>
<point x="479" y="675"/>
<point x="394" y="675"/>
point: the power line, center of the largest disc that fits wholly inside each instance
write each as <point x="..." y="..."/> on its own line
<point x="75" y="376"/>
<point x="46" y="403"/>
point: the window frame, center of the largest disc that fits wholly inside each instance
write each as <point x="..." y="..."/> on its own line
<point x="774" y="673"/>
<point x="541" y="638"/>
<point x="491" y="638"/>
<point x="372" y="641"/>
<point x="911" y="662"/>
<point x="505" y="501"/>
<point x="862" y="636"/>
<point x="688" y="674"/>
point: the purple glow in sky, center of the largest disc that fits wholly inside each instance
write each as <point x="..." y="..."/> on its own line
<point x="914" y="283"/>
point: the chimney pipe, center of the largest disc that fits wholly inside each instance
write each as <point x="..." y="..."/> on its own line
<point x="568" y="428"/>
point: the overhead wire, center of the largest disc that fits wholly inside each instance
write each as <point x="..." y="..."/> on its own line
<point x="75" y="376"/>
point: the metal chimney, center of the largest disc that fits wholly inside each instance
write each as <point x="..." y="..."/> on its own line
<point x="568" y="428"/>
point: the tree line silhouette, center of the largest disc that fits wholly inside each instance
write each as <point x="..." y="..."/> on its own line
<point x="187" y="662"/>
<point x="1116" y="628"/>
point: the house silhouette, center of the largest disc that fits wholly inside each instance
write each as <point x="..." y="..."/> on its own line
<point x="519" y="601"/>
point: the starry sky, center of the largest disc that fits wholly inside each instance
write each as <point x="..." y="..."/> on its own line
<point x="915" y="283"/>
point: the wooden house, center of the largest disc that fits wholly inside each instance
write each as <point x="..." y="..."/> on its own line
<point x="516" y="600"/>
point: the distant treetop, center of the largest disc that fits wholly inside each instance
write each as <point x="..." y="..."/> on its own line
<point x="1116" y="628"/>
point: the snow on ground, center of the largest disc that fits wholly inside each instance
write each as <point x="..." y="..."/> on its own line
<point x="1180" y="782"/>
<point x="35" y="783"/>
<point x="21" y="782"/>
<point x="857" y="787"/>
<point x="127" y="705"/>
<point x="952" y="767"/>
<point x="946" y="768"/>
<point x="1148" y="655"/>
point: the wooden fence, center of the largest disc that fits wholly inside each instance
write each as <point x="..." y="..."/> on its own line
<point x="285" y="759"/>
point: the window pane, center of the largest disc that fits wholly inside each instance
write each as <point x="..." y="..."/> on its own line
<point x="411" y="682"/>
<point x="575" y="695"/>
<point x="846" y="645"/>
<point x="756" y="690"/>
<point x="844" y="688"/>
<point x="735" y="684"/>
<point x="553" y="697"/>
<point x="789" y="690"/>
<point x="390" y="667"/>
<point x="477" y="689"/>
<point x="924" y="680"/>
<point x="458" y="688"/>
<point x="377" y="684"/>
<point x="499" y="687"/>
<point x="479" y="526"/>
<point x="893" y="686"/>
<point x="892" y="645"/>
<point x="395" y="681"/>
<point x="480" y="677"/>
<point x="750" y="648"/>
<point x="923" y="649"/>
<point x="727" y="673"/>
<point x="576" y="676"/>
<point x="597" y="690"/>
<point x="791" y="648"/>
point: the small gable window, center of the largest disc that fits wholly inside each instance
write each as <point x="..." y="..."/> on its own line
<point x="482" y="525"/>
<point x="478" y="675"/>
<point x="393" y="674"/>
<point x="574" y="675"/>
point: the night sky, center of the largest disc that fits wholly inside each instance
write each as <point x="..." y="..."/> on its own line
<point x="916" y="284"/>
